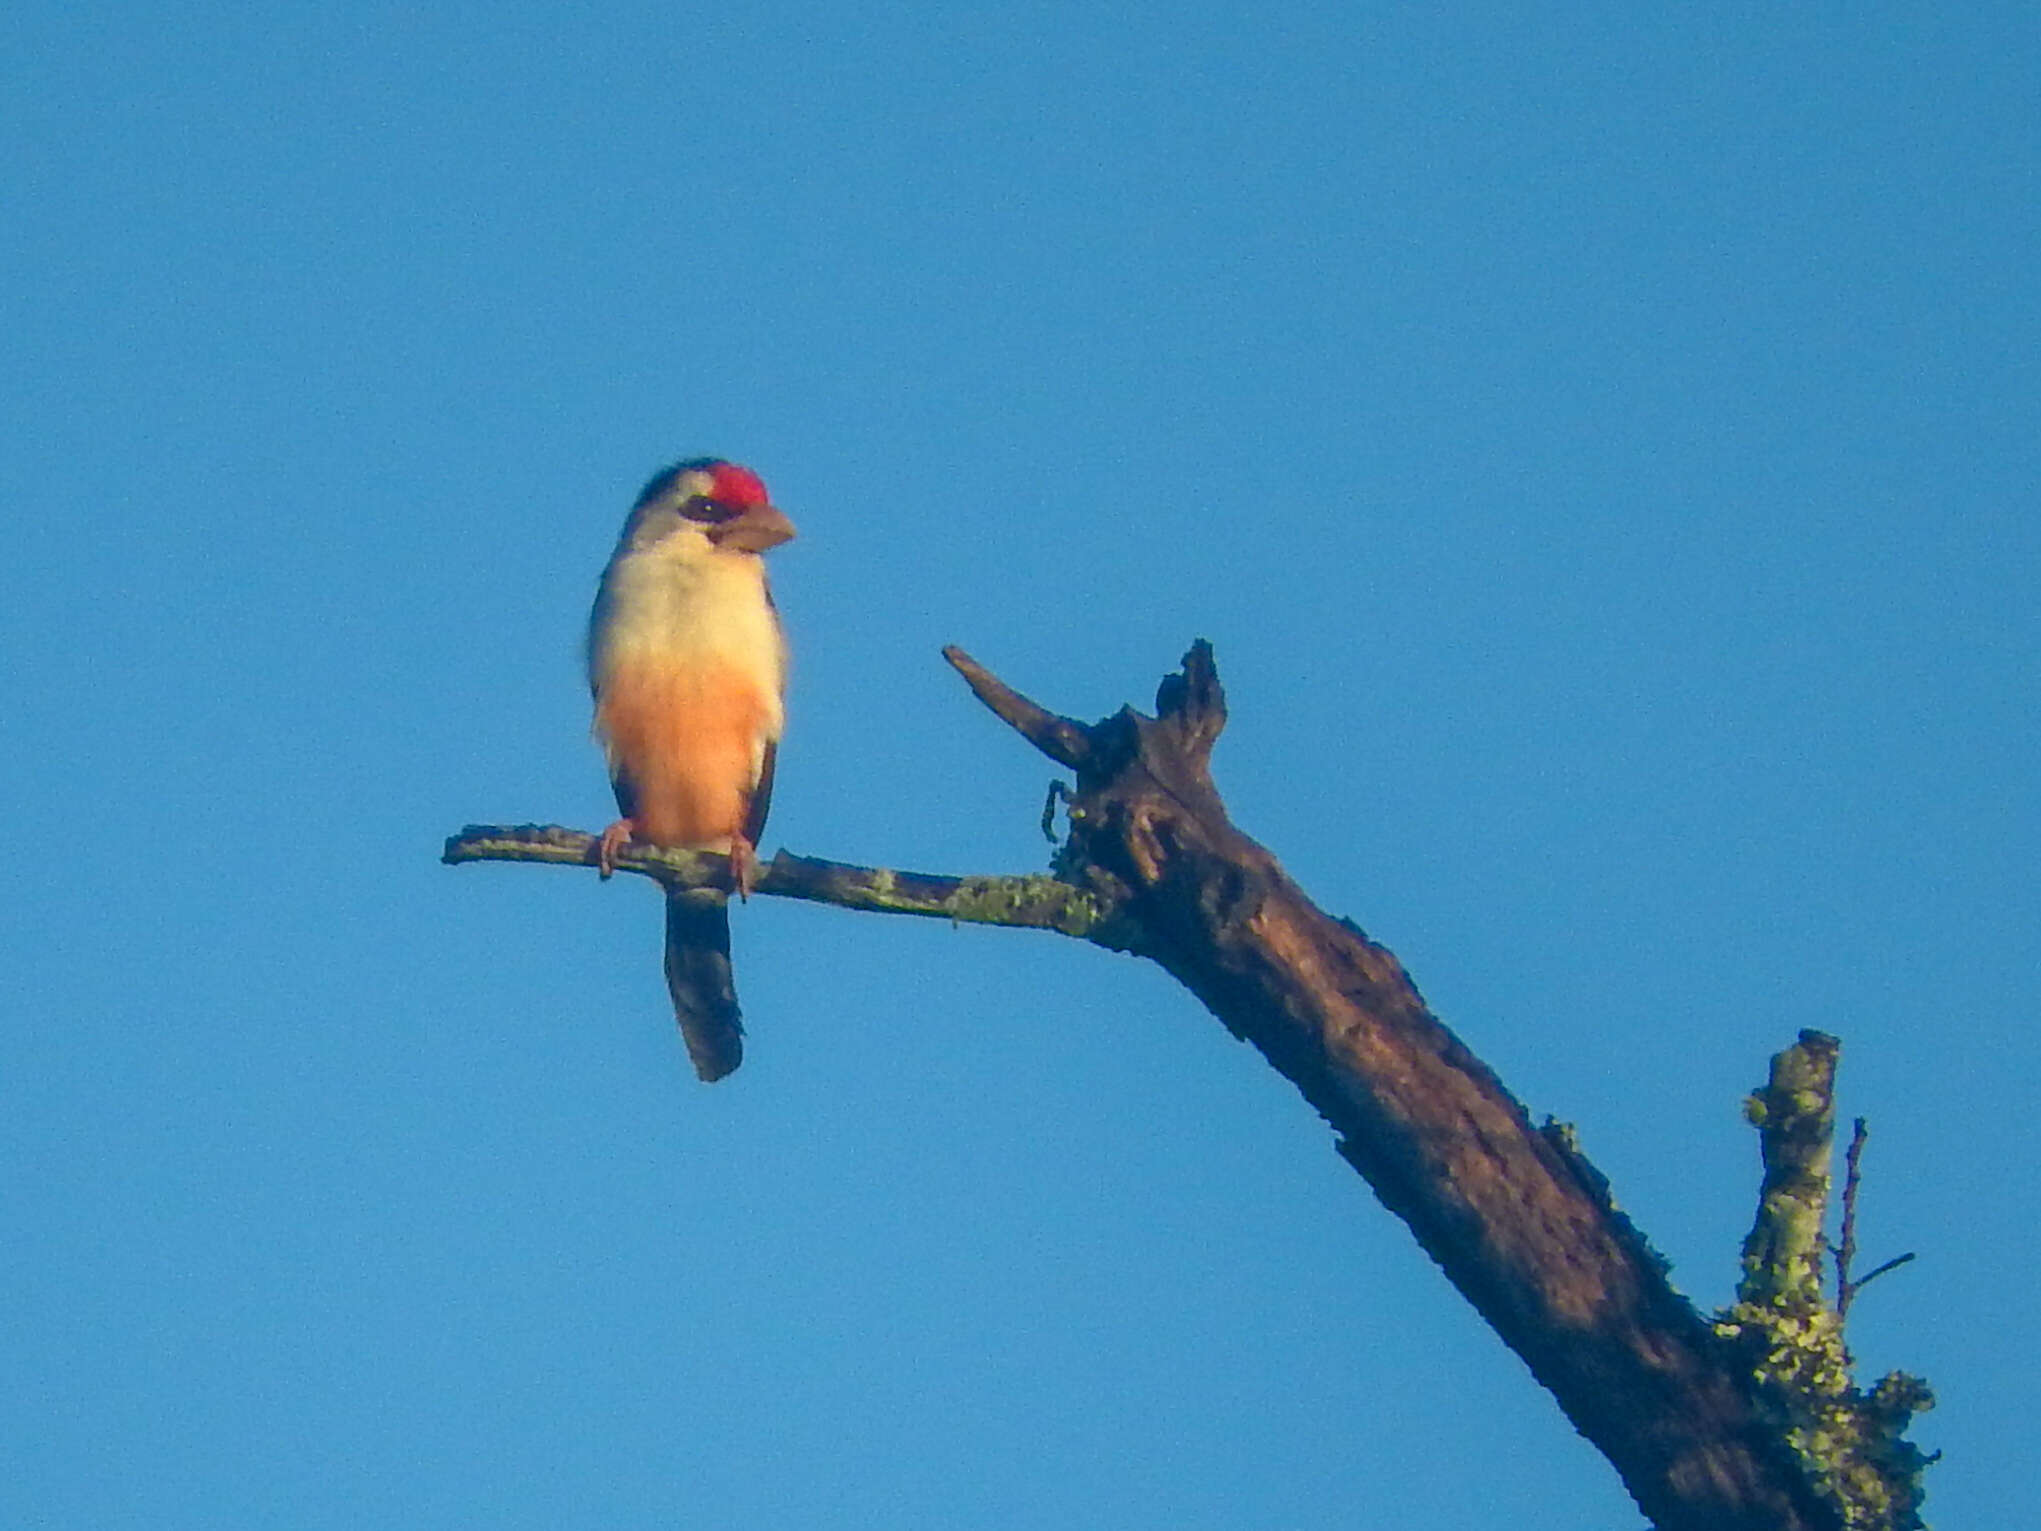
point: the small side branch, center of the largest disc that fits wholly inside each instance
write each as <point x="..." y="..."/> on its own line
<point x="1795" y="1117"/>
<point x="1024" y="902"/>
<point x="1847" y="1440"/>
<point x="1063" y="740"/>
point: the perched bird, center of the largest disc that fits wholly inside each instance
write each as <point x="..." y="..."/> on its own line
<point x="688" y="667"/>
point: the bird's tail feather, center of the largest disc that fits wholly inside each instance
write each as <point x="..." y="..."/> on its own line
<point x="699" y="979"/>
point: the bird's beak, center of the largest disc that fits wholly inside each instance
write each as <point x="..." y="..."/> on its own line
<point x="759" y="527"/>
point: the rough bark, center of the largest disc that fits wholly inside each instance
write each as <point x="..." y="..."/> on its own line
<point x="1513" y="1217"/>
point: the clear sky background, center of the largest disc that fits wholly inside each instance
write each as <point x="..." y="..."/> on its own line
<point x="1602" y="449"/>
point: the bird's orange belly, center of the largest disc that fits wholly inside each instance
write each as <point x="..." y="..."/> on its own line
<point x="689" y="740"/>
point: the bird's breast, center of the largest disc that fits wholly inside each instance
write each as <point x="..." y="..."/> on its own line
<point x="708" y="609"/>
<point x="687" y="665"/>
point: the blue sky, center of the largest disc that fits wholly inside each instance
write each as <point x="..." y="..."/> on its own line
<point x="1601" y="448"/>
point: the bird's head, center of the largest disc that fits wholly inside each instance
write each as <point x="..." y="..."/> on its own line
<point x="710" y="501"/>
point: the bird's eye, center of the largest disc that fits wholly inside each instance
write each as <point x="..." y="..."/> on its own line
<point x="699" y="507"/>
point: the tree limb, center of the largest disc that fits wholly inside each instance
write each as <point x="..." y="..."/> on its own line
<point x="1514" y="1215"/>
<point x="1788" y="1337"/>
<point x="1026" y="902"/>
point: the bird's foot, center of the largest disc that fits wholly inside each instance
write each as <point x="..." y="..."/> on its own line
<point x="743" y="867"/>
<point x="614" y="839"/>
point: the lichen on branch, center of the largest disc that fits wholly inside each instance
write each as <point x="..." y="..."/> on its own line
<point x="1028" y="902"/>
<point x="1790" y="1336"/>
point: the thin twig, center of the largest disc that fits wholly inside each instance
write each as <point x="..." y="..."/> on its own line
<point x="1058" y="793"/>
<point x="1890" y="1265"/>
<point x="1846" y="1248"/>
<point x="1846" y="1290"/>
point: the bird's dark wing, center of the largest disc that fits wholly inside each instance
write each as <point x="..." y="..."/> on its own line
<point x="627" y="794"/>
<point x="761" y="795"/>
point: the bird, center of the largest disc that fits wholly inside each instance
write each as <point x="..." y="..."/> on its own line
<point x="687" y="665"/>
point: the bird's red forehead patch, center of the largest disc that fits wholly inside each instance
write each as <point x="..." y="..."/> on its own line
<point x="738" y="486"/>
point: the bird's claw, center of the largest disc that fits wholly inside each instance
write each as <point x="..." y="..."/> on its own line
<point x="614" y="839"/>
<point x="743" y="856"/>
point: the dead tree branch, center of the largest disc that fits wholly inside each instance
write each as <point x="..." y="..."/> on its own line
<point x="1030" y="903"/>
<point x="1517" y="1219"/>
<point x="1787" y="1336"/>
